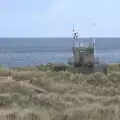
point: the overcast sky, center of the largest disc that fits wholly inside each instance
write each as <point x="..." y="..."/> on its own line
<point x="55" y="18"/>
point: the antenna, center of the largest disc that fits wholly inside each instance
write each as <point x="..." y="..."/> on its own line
<point x="73" y="28"/>
<point x="75" y="37"/>
<point x="74" y="33"/>
<point x="78" y="32"/>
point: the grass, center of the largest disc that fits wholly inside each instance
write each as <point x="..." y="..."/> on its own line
<point x="114" y="67"/>
<point x="37" y="93"/>
<point x="2" y="66"/>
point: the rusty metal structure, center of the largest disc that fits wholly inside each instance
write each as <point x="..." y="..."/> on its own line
<point x="83" y="51"/>
<point x="84" y="57"/>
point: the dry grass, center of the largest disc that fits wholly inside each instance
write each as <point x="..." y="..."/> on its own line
<point x="37" y="95"/>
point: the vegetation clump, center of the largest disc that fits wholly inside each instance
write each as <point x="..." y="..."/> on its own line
<point x="39" y="93"/>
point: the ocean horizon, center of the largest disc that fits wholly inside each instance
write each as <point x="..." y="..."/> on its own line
<point x="29" y="51"/>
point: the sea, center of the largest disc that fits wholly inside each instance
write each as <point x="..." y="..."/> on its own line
<point x="19" y="52"/>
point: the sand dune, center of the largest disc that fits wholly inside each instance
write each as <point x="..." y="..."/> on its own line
<point x="37" y="95"/>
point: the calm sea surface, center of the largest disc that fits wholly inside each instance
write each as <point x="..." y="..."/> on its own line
<point x="35" y="51"/>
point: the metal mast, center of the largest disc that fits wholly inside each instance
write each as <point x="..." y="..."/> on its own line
<point x="75" y="38"/>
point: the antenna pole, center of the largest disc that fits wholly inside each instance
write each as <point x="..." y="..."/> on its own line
<point x="73" y="28"/>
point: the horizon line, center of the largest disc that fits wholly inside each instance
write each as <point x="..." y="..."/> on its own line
<point x="63" y="37"/>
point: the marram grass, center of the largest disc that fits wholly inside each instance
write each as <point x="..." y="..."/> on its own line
<point x="35" y="94"/>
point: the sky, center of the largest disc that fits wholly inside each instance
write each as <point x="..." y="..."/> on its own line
<point x="55" y="18"/>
